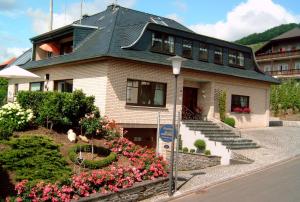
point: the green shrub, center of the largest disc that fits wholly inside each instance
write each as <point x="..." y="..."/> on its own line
<point x="13" y="117"/>
<point x="285" y="97"/>
<point x="185" y="150"/>
<point x="60" y="109"/>
<point x="192" y="151"/>
<point x="200" y="145"/>
<point x="230" y="121"/>
<point x="179" y="142"/>
<point x="207" y="152"/>
<point x="93" y="164"/>
<point x="35" y="158"/>
<point x="3" y="90"/>
<point x="222" y="105"/>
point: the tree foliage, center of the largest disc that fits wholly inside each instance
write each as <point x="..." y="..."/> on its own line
<point x="222" y="105"/>
<point x="3" y="90"/>
<point x="266" y="35"/>
<point x="285" y="97"/>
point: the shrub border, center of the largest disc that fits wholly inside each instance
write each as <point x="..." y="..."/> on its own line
<point x="92" y="164"/>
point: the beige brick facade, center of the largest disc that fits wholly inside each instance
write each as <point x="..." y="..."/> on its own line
<point x="107" y="80"/>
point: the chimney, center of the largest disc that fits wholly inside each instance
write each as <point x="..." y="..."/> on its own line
<point x="51" y="16"/>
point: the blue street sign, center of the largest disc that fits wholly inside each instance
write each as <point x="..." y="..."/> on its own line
<point x="166" y="133"/>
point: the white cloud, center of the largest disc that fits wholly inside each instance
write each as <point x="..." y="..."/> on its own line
<point x="180" y="5"/>
<point x="175" y="17"/>
<point x="247" y="18"/>
<point x="7" y="53"/>
<point x="40" y="19"/>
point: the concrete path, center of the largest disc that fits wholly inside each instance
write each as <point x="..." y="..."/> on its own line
<point x="277" y="144"/>
<point x="277" y="184"/>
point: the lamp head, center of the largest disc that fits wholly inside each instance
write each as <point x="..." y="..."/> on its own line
<point x="176" y="63"/>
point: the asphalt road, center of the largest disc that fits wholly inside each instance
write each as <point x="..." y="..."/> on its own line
<point x="277" y="184"/>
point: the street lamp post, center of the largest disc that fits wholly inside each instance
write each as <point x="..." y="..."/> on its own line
<point x="176" y="65"/>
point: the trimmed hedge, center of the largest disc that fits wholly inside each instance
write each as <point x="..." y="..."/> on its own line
<point x="93" y="164"/>
<point x="230" y="121"/>
<point x="200" y="145"/>
<point x="62" y="110"/>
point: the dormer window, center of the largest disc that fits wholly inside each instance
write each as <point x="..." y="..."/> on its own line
<point x="203" y="52"/>
<point x="187" y="48"/>
<point x="66" y="47"/>
<point x="236" y="58"/>
<point x="218" y="55"/>
<point x="162" y="43"/>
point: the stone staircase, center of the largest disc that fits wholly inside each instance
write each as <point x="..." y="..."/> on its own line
<point x="225" y="136"/>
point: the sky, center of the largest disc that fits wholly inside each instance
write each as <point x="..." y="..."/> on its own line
<point x="225" y="19"/>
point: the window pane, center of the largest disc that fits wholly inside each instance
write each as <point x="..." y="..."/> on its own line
<point x="145" y="93"/>
<point x="132" y="92"/>
<point x="169" y="44"/>
<point x="36" y="86"/>
<point x="232" y="57"/>
<point x="68" y="86"/>
<point x="240" y="59"/>
<point x="157" y="41"/>
<point x="159" y="94"/>
<point x="64" y="85"/>
<point x="187" y="48"/>
<point x="218" y="55"/>
<point x="203" y="52"/>
<point x="239" y="101"/>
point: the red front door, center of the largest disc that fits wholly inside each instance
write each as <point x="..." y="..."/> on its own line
<point x="190" y="98"/>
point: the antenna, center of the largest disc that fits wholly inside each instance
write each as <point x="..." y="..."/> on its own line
<point x="51" y="15"/>
<point x="81" y="5"/>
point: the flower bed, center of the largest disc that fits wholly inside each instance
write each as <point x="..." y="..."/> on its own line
<point x="144" y="165"/>
<point x="93" y="164"/>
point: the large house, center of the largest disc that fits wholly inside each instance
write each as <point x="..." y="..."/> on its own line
<point x="120" y="57"/>
<point x="280" y="56"/>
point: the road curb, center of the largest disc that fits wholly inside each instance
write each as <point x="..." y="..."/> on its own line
<point x="257" y="170"/>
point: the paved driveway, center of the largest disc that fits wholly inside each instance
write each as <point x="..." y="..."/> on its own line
<point x="277" y="184"/>
<point x="277" y="144"/>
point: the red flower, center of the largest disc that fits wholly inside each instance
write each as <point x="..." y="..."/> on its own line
<point x="246" y="110"/>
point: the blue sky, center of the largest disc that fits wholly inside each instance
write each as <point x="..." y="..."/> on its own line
<point x="225" y="19"/>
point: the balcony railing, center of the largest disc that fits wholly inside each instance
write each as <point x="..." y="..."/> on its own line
<point x="282" y="54"/>
<point x="284" y="72"/>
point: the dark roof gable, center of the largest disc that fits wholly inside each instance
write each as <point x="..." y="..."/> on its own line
<point x="119" y="28"/>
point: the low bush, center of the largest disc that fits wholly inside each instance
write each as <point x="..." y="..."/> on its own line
<point x="207" y="152"/>
<point x="145" y="165"/>
<point x="35" y="158"/>
<point x="200" y="145"/>
<point x="192" y="151"/>
<point x="93" y="164"/>
<point x="61" y="110"/>
<point x="13" y="117"/>
<point x="230" y="121"/>
<point x="185" y="150"/>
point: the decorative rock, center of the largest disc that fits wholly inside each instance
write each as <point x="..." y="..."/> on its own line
<point x="83" y="138"/>
<point x="188" y="161"/>
<point x="71" y="135"/>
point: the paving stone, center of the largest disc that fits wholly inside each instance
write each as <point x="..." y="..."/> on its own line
<point x="276" y="144"/>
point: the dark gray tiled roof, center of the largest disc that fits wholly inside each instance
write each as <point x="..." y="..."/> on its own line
<point x="120" y="27"/>
<point x="23" y="59"/>
<point x="289" y="34"/>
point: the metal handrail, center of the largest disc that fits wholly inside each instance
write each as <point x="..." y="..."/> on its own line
<point x="188" y="114"/>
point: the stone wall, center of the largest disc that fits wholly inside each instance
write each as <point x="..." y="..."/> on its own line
<point x="188" y="161"/>
<point x="139" y="191"/>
